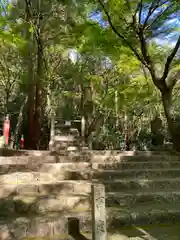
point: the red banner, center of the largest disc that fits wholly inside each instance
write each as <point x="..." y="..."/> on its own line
<point x="6" y="129"/>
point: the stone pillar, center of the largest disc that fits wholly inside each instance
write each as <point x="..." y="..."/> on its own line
<point x="52" y="131"/>
<point x="98" y="212"/>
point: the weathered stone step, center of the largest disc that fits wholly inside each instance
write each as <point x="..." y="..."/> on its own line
<point x="146" y="213"/>
<point x="49" y="226"/>
<point x="114" y="158"/>
<point x="26" y="177"/>
<point x="83" y="166"/>
<point x="136" y="173"/>
<point x="55" y="225"/>
<point x="143" y="214"/>
<point x="66" y="158"/>
<point x="85" y="157"/>
<point x="39" y="188"/>
<point x="137" y="165"/>
<point x="59" y="175"/>
<point x="124" y="199"/>
<point x="13" y="152"/>
<point x="10" y="168"/>
<point x="31" y="176"/>
<point x="59" y="167"/>
<point x="121" y="170"/>
<point x="23" y="205"/>
<point x="44" y="167"/>
<point x="141" y="184"/>
<point x="28" y="160"/>
<point x="112" y="176"/>
<point x="133" y="153"/>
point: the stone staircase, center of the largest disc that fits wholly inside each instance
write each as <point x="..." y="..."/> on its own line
<point x="40" y="192"/>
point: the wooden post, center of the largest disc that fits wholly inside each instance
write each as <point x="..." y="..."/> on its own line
<point x="98" y="212"/>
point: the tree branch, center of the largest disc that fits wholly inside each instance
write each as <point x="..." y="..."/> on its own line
<point x="158" y="16"/>
<point x="117" y="33"/>
<point x="170" y="59"/>
<point x="152" y="8"/>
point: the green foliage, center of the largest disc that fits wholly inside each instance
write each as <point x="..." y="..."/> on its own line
<point x="106" y="81"/>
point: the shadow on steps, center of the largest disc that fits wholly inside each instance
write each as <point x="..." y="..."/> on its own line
<point x="74" y="229"/>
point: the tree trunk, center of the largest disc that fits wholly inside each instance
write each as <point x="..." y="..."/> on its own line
<point x="174" y="130"/>
<point x="37" y="117"/>
<point x="38" y="110"/>
<point x="30" y="102"/>
<point x="38" y="83"/>
<point x="30" y="113"/>
<point x="29" y="36"/>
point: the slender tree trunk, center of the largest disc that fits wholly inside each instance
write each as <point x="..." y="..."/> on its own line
<point x="38" y="103"/>
<point x="30" y="104"/>
<point x="38" y="83"/>
<point x="30" y="79"/>
<point x="37" y="117"/>
<point x="174" y="131"/>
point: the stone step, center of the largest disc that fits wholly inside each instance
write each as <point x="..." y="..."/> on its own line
<point x="74" y="157"/>
<point x="134" y="173"/>
<point x="42" y="176"/>
<point x="141" y="184"/>
<point x="117" y="158"/>
<point x="45" y="175"/>
<point x="44" y="167"/>
<point x="40" y="188"/>
<point x="12" y="152"/>
<point x="49" y="226"/>
<point x="26" y="177"/>
<point x="59" y="175"/>
<point x="20" y="205"/>
<point x="55" y="225"/>
<point x="7" y="168"/>
<point x="69" y="187"/>
<point x="137" y="165"/>
<point x="143" y="214"/>
<point x="70" y="157"/>
<point x="28" y="160"/>
<point x="57" y="168"/>
<point x="126" y="199"/>
<point x="134" y="153"/>
<point x="35" y="185"/>
<point x="109" y="153"/>
<point x="23" y="205"/>
<point x="111" y="157"/>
